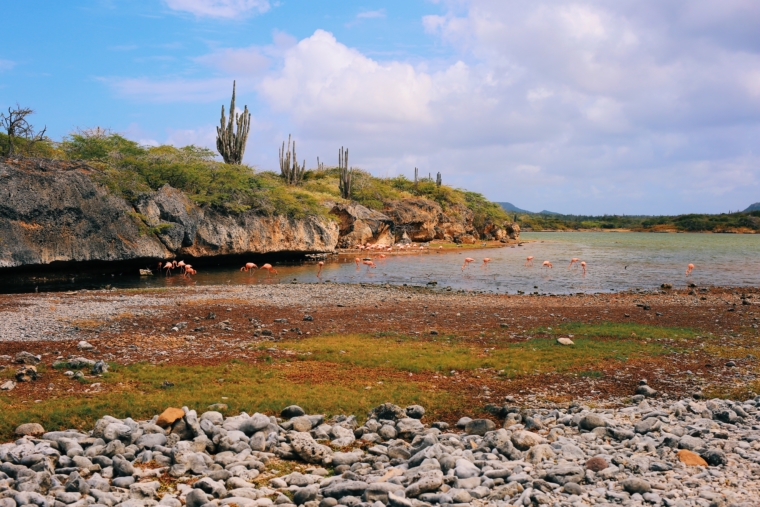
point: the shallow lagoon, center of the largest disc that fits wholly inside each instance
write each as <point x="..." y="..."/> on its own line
<point x="616" y="261"/>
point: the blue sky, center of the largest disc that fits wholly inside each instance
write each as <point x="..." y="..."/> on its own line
<point x="580" y="107"/>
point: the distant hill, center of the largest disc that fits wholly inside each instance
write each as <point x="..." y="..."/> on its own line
<point x="508" y="206"/>
<point x="753" y="207"/>
<point x="546" y="212"/>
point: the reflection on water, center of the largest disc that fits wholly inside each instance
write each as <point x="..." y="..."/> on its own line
<point x="616" y="261"/>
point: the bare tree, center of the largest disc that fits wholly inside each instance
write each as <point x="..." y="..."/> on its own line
<point x="16" y="126"/>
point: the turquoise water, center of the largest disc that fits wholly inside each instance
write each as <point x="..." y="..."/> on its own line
<point x="615" y="261"/>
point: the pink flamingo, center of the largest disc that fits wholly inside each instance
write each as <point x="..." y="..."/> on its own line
<point x="321" y="264"/>
<point x="269" y="268"/>
<point x="181" y="265"/>
<point x="485" y="262"/>
<point x="248" y="267"/>
<point x="546" y="264"/>
<point x="168" y="267"/>
<point x="583" y="265"/>
<point x="357" y="260"/>
<point x="369" y="264"/>
<point x="573" y="261"/>
<point x="189" y="271"/>
<point x="529" y="261"/>
<point x="689" y="269"/>
<point x="382" y="256"/>
<point x="467" y="260"/>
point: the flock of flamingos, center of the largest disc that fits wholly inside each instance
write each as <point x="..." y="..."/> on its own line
<point x="187" y="269"/>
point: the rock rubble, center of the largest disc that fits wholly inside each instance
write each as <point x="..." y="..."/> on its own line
<point x="684" y="453"/>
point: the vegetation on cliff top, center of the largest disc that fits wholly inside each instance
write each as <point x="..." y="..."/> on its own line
<point x="129" y="169"/>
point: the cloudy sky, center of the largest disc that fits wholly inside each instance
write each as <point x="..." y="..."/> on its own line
<point x="635" y="107"/>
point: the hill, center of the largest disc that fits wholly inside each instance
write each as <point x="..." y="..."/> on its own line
<point x="753" y="207"/>
<point x="508" y="206"/>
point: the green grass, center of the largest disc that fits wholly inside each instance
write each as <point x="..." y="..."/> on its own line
<point x="619" y="330"/>
<point x="535" y="356"/>
<point x="246" y="387"/>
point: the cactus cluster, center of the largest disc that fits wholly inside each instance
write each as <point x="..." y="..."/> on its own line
<point x="229" y="143"/>
<point x="292" y="173"/>
<point x="345" y="174"/>
<point x="438" y="180"/>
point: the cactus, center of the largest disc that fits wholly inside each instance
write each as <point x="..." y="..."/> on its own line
<point x="320" y="165"/>
<point x="291" y="171"/>
<point x="345" y="174"/>
<point x="416" y="173"/>
<point x="231" y="144"/>
<point x="438" y="180"/>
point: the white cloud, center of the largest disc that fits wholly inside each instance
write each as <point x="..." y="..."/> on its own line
<point x="380" y="13"/>
<point x="6" y="65"/>
<point x="171" y="90"/>
<point x="588" y="107"/>
<point x="219" y="8"/>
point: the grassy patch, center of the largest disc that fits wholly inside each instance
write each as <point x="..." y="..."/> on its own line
<point x="538" y="355"/>
<point x="134" y="391"/>
<point x="619" y="330"/>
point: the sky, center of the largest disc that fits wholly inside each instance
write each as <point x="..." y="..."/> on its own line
<point x="584" y="107"/>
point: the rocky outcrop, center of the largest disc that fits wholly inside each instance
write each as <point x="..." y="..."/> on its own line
<point x="54" y="211"/>
<point x="359" y="225"/>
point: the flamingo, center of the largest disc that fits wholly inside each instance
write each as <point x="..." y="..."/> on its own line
<point x="189" y="271"/>
<point x="485" y="262"/>
<point x="269" y="268"/>
<point x="168" y="267"/>
<point x="382" y="256"/>
<point x="369" y="264"/>
<point x="583" y="265"/>
<point x="321" y="264"/>
<point x="357" y="260"/>
<point x="573" y="261"/>
<point x="546" y="264"/>
<point x="467" y="260"/>
<point x="529" y="261"/>
<point x="689" y="269"/>
<point x="181" y="264"/>
<point x="248" y="267"/>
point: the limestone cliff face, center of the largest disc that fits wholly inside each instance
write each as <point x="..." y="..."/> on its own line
<point x="54" y="211"/>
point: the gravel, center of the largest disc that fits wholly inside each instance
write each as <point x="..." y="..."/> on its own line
<point x="214" y="460"/>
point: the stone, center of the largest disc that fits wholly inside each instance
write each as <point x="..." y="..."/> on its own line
<point x="301" y="423"/>
<point x="691" y="459"/>
<point x="645" y="390"/>
<point x="27" y="358"/>
<point x="30" y="429"/>
<point x="565" y="341"/>
<point x="169" y="417"/>
<point x="415" y="411"/>
<point x="292" y="411"/>
<point x="387" y="411"/>
<point x="572" y="488"/>
<point x="8" y="386"/>
<point x="465" y="469"/>
<point x="99" y="368"/>
<point x="590" y="421"/>
<point x="690" y="443"/>
<point x="196" y="498"/>
<point x="308" y="449"/>
<point x="255" y="423"/>
<point x="636" y="485"/>
<point x="26" y="374"/>
<point x="597" y="464"/>
<point x="479" y="427"/>
<point x="84" y="345"/>
<point x="408" y="427"/>
<point x="524" y="440"/>
<point x="715" y="457"/>
<point x="538" y="453"/>
<point x="122" y="467"/>
<point x="565" y="473"/>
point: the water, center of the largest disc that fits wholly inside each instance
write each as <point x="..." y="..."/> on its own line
<point x="616" y="261"/>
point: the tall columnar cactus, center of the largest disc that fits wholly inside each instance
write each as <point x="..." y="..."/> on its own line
<point x="416" y="174"/>
<point x="438" y="180"/>
<point x="231" y="144"/>
<point x="345" y="174"/>
<point x="291" y="171"/>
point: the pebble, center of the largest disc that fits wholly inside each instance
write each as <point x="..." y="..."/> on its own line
<point x="398" y="460"/>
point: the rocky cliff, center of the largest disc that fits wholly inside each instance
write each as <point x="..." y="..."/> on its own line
<point x="53" y="211"/>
